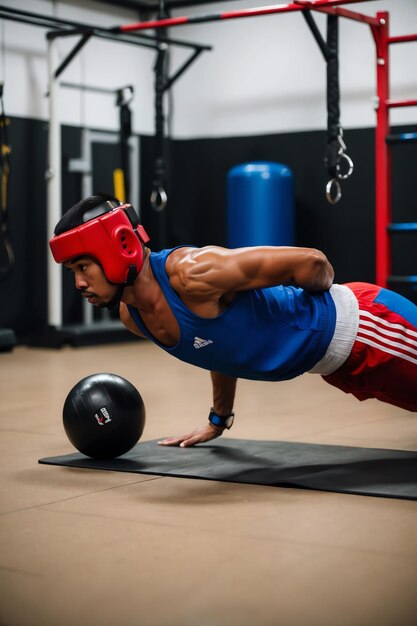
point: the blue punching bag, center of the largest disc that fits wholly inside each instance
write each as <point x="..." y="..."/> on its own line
<point x="260" y="205"/>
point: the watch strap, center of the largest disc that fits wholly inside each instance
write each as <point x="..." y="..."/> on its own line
<point x="223" y="421"/>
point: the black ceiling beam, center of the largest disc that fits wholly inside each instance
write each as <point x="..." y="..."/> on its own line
<point x="65" y="27"/>
<point x="176" y="4"/>
<point x="152" y="5"/>
<point x="135" y="5"/>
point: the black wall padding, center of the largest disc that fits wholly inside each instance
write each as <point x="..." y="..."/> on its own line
<point x="23" y="295"/>
<point x="196" y="211"/>
<point x="200" y="168"/>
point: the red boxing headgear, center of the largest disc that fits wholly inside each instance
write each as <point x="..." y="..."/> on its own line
<point x="114" y="239"/>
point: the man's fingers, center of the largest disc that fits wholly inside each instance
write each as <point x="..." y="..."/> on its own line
<point x="172" y="441"/>
<point x="200" y="435"/>
<point x="189" y="442"/>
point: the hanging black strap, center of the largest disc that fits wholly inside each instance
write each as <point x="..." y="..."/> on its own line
<point x="336" y="158"/>
<point x="333" y="96"/>
<point x="124" y="98"/>
<point x="159" y="196"/>
<point x="5" y="150"/>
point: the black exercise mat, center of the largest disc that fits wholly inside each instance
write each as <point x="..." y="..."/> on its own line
<point x="361" y="471"/>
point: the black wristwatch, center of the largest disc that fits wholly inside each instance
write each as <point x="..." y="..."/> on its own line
<point x="225" y="421"/>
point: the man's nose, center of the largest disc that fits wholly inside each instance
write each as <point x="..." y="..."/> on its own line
<point x="80" y="282"/>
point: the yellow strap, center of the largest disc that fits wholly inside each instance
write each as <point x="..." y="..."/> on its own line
<point x="119" y="185"/>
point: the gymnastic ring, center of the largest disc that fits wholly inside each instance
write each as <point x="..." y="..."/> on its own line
<point x="333" y="191"/>
<point x="349" y="161"/>
<point x="159" y="198"/>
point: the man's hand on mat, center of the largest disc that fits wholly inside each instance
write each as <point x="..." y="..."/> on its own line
<point x="199" y="435"/>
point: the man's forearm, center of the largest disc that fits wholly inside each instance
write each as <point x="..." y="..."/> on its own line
<point x="224" y="389"/>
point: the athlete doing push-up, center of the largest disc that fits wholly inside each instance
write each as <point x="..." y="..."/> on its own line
<point x="262" y="313"/>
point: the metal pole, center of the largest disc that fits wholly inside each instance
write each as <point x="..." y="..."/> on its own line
<point x="77" y="28"/>
<point x="403" y="38"/>
<point x="298" y="5"/>
<point x="383" y="200"/>
<point x="87" y="190"/>
<point x="391" y="104"/>
<point x="53" y="177"/>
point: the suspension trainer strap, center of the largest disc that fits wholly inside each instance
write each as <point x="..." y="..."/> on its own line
<point x="159" y="196"/>
<point x="335" y="146"/>
<point x="124" y="97"/>
<point x="5" y="150"/>
<point x="335" y="149"/>
<point x="333" y="95"/>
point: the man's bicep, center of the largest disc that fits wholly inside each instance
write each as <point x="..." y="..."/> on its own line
<point x="213" y="271"/>
<point x="251" y="268"/>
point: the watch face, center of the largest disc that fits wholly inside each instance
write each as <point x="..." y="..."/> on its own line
<point x="217" y="420"/>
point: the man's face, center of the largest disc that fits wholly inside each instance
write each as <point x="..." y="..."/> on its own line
<point x="91" y="281"/>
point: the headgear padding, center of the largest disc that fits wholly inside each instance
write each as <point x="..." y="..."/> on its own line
<point x="114" y="239"/>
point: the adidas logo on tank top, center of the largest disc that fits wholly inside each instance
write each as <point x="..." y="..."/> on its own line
<point x="201" y="343"/>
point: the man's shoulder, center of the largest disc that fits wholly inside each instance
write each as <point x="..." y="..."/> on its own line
<point x="179" y="255"/>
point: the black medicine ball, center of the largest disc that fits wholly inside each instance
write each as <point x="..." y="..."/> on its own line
<point x="104" y="416"/>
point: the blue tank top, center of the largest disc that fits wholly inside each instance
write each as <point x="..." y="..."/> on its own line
<point x="275" y="333"/>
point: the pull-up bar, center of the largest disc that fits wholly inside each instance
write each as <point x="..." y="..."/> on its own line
<point x="69" y="28"/>
<point x="298" y="5"/>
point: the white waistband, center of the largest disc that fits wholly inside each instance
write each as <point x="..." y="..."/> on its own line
<point x="347" y="323"/>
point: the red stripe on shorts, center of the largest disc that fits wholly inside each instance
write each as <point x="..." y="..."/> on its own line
<point x="392" y="338"/>
<point x="383" y="361"/>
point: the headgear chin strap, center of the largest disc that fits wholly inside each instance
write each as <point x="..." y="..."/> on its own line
<point x="114" y="238"/>
<point x="113" y="304"/>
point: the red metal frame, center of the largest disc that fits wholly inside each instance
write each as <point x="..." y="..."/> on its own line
<point x="383" y="158"/>
<point x="380" y="29"/>
<point x="383" y="206"/>
<point x="402" y="39"/>
<point x="298" y="5"/>
<point x="391" y="104"/>
<point x="340" y="12"/>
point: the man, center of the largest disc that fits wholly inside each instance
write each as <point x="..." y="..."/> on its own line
<point x="262" y="313"/>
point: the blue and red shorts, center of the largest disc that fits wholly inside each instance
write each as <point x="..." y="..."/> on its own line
<point x="383" y="360"/>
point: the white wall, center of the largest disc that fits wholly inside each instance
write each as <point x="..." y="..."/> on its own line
<point x="265" y="74"/>
<point x="100" y="63"/>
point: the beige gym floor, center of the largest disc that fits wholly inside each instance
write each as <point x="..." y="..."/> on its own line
<point x="82" y="547"/>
